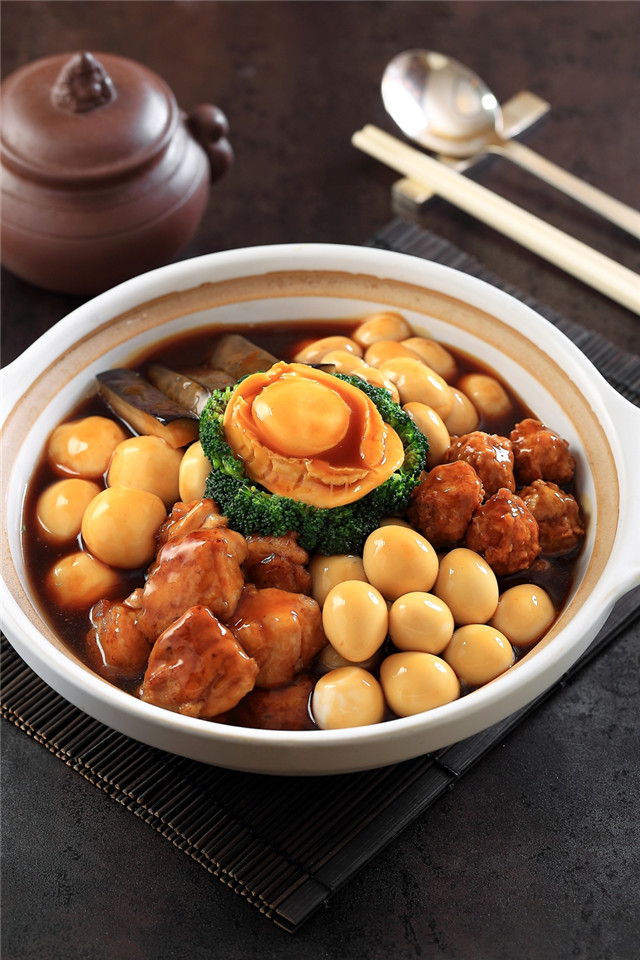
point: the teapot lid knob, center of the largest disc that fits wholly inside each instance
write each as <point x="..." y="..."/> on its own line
<point x="82" y="84"/>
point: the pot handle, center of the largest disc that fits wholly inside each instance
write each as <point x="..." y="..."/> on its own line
<point x="626" y="417"/>
<point x="210" y="128"/>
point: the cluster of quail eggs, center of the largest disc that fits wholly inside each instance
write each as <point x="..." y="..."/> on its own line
<point x="409" y="631"/>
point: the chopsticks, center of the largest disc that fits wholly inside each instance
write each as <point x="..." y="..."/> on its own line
<point x="573" y="256"/>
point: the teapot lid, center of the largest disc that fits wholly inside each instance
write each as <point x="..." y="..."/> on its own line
<point x="79" y="117"/>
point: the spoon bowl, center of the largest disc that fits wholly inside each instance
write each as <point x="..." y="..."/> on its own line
<point x="440" y="103"/>
<point x="446" y="108"/>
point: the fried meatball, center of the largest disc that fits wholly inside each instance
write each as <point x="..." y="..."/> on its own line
<point x="197" y="667"/>
<point x="540" y="454"/>
<point x="281" y="708"/>
<point x="282" y="631"/>
<point x="277" y="562"/>
<point x="490" y="456"/>
<point x="203" y="567"/>
<point x="115" y="641"/>
<point x="557" y="514"/>
<point x="442" y="504"/>
<point x="505" y="532"/>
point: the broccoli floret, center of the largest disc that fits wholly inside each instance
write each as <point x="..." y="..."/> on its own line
<point x="252" y="509"/>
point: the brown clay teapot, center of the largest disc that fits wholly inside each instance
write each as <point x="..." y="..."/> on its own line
<point x="103" y="176"/>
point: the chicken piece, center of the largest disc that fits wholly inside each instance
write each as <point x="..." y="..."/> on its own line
<point x="442" y="504"/>
<point x="134" y="600"/>
<point x="540" y="454"/>
<point x="116" y="641"/>
<point x="203" y="567"/>
<point x="277" y="562"/>
<point x="282" y="631"/>
<point x="490" y="455"/>
<point x="185" y="517"/>
<point x="282" y="708"/>
<point x="197" y="667"/>
<point x="560" y="523"/>
<point x="505" y="532"/>
<point x="179" y="510"/>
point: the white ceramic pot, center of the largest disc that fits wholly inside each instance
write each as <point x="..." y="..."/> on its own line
<point x="307" y="282"/>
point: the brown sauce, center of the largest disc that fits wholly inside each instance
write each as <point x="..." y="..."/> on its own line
<point x="284" y="340"/>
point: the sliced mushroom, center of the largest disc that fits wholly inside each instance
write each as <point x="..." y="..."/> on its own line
<point x="209" y="377"/>
<point x="187" y="392"/>
<point x="238" y="357"/>
<point x="145" y="409"/>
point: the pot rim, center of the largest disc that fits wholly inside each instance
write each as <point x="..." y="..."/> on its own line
<point x="613" y="414"/>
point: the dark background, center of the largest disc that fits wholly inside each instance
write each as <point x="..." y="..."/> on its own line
<point x="296" y="79"/>
<point x="535" y="853"/>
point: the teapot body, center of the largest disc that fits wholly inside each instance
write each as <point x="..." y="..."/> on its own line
<point x="80" y="220"/>
<point x="85" y="238"/>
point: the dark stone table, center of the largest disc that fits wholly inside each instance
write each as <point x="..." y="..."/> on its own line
<point x="535" y="853"/>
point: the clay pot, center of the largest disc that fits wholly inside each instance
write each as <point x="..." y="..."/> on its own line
<point x="103" y="176"/>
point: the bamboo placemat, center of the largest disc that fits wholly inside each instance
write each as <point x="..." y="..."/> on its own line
<point x="288" y="844"/>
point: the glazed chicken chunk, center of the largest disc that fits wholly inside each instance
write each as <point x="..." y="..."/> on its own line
<point x="490" y="455"/>
<point x="443" y="503"/>
<point x="187" y="517"/>
<point x="505" y="532"/>
<point x="282" y="631"/>
<point x="540" y="454"/>
<point x="280" y="708"/>
<point x="197" y="667"/>
<point x="115" y="640"/>
<point x="277" y="562"/>
<point x="202" y="568"/>
<point x="557" y="514"/>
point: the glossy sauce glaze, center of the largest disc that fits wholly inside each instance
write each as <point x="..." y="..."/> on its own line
<point x="553" y="574"/>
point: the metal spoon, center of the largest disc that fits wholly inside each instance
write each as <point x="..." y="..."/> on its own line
<point x="448" y="109"/>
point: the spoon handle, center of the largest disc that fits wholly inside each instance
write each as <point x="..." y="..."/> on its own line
<point x="608" y="207"/>
<point x="564" y="251"/>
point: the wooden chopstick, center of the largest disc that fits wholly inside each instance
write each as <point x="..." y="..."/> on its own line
<point x="573" y="256"/>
